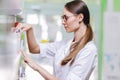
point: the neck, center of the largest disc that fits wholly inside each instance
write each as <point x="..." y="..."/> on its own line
<point x="78" y="34"/>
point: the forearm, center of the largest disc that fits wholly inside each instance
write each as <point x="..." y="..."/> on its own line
<point x="45" y="74"/>
<point x="32" y="44"/>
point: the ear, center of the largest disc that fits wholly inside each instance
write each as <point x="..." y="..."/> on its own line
<point x="80" y="17"/>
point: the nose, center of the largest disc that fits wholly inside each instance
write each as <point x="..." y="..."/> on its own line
<point x="63" y="21"/>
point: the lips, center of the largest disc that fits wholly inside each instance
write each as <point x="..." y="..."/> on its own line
<point x="65" y="27"/>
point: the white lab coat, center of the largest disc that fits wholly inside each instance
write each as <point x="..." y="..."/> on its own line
<point x="83" y="65"/>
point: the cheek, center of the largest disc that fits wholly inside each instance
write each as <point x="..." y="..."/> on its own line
<point x="73" y="22"/>
<point x="73" y="25"/>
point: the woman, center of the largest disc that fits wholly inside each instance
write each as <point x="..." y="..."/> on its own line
<point x="74" y="59"/>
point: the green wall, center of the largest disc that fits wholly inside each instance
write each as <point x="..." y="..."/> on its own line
<point x="117" y="5"/>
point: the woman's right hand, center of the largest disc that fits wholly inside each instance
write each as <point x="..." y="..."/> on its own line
<point x="32" y="44"/>
<point x="22" y="27"/>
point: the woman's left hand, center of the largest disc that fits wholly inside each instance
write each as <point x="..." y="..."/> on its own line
<point x="38" y="68"/>
<point x="29" y="60"/>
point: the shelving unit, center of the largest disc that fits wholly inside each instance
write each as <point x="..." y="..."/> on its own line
<point x="11" y="62"/>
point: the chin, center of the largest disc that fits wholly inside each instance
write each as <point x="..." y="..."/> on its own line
<point x="68" y="31"/>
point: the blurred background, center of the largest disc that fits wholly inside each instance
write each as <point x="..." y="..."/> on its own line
<point x="45" y="16"/>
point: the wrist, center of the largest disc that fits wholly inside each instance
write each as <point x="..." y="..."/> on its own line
<point x="30" y="29"/>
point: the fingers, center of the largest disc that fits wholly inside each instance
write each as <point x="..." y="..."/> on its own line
<point x="23" y="53"/>
<point x="25" y="56"/>
<point x="17" y="29"/>
<point x="23" y="27"/>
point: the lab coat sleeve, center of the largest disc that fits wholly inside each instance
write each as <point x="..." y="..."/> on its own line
<point x="83" y="65"/>
<point x="49" y="49"/>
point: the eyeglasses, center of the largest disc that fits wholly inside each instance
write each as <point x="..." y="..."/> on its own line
<point x="64" y="17"/>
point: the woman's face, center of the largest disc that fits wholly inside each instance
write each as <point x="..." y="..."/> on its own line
<point x="70" y="21"/>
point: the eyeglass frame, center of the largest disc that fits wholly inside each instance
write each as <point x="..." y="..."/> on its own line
<point x="65" y="17"/>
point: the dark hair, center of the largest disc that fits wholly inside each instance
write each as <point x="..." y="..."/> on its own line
<point x="79" y="7"/>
